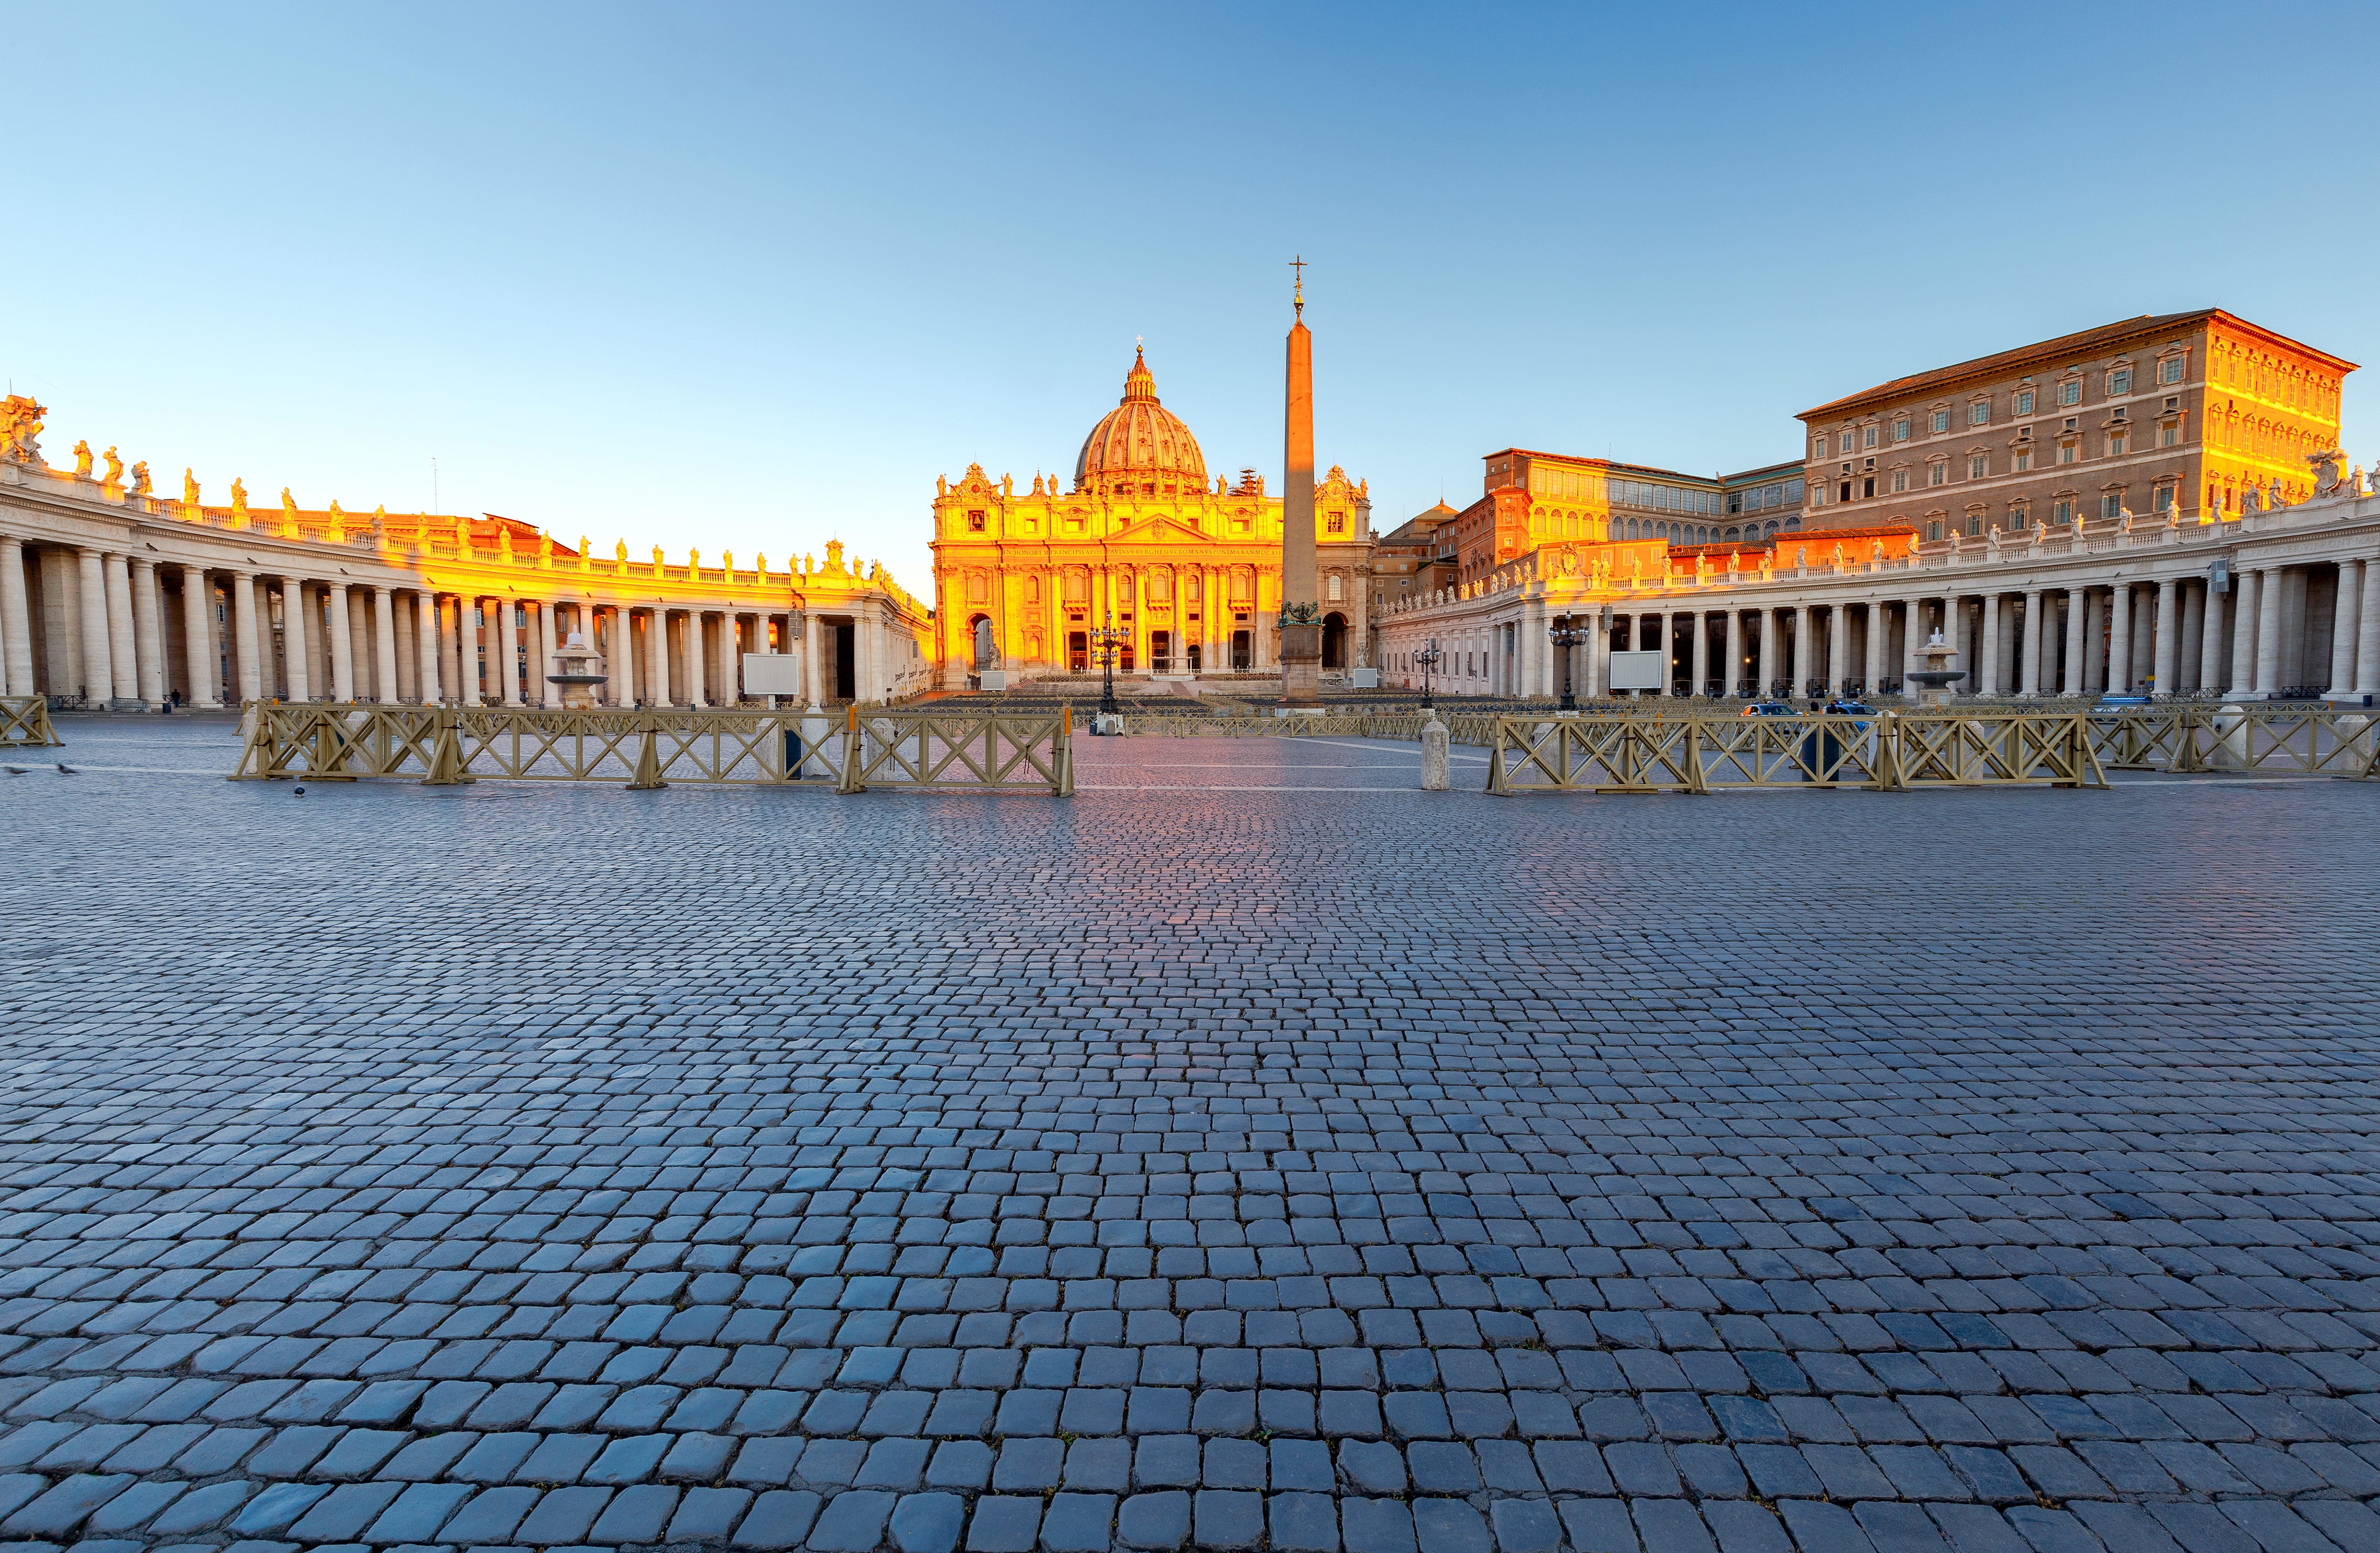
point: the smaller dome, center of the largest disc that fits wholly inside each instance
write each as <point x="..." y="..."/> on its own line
<point x="1140" y="438"/>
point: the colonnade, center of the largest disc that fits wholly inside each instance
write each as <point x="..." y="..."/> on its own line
<point x="125" y="631"/>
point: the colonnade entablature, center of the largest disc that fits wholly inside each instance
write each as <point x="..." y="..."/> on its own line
<point x="112" y="596"/>
<point x="2277" y="603"/>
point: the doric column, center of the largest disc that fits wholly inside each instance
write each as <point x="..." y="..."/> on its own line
<point x="294" y="648"/>
<point x="696" y="695"/>
<point x="1872" y="650"/>
<point x="1986" y="678"/>
<point x="1733" y="674"/>
<point x="607" y="632"/>
<point x="148" y="633"/>
<point x="2244" y="613"/>
<point x="199" y="639"/>
<point x="2119" y="639"/>
<point x="508" y="633"/>
<point x="466" y="651"/>
<point x="2367" y="632"/>
<point x="550" y="637"/>
<point x="2269" y="588"/>
<point x="383" y="623"/>
<point x="16" y="620"/>
<point x="2211" y="635"/>
<point x="2353" y="581"/>
<point x="2029" y="670"/>
<point x="2077" y="619"/>
<point x="1700" y="657"/>
<point x="247" y="634"/>
<point x="1803" y="663"/>
<point x="343" y="646"/>
<point x="810" y="629"/>
<point x="657" y="660"/>
<point x="731" y="664"/>
<point x="98" y="683"/>
<point x="1838" y="647"/>
<point x="123" y="677"/>
<point x="2191" y="638"/>
<point x="2166" y="662"/>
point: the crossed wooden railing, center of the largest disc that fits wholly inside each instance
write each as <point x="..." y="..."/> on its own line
<point x="1886" y="751"/>
<point x="943" y="751"/>
<point x="25" y="721"/>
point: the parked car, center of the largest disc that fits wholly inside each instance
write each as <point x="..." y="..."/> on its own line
<point x="1768" y="709"/>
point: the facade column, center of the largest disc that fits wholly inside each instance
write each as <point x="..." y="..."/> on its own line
<point x="1838" y="647"/>
<point x="1769" y="674"/>
<point x="1913" y="636"/>
<point x="343" y="646"/>
<point x="2192" y="638"/>
<point x="426" y="653"/>
<point x="2354" y="581"/>
<point x="657" y="688"/>
<point x="16" y="620"/>
<point x="1734" y="671"/>
<point x="2077" y="617"/>
<point x="2165" y="659"/>
<point x="2028" y="672"/>
<point x="97" y="681"/>
<point x="123" y="680"/>
<point x="1802" y="658"/>
<point x="2119" y="639"/>
<point x="550" y="637"/>
<point x="466" y="651"/>
<point x="731" y="664"/>
<point x="294" y="640"/>
<point x="810" y="630"/>
<point x="247" y="634"/>
<point x="2367" y="633"/>
<point x="697" y="686"/>
<point x="199" y="638"/>
<point x="2270" y="586"/>
<point x="383" y="619"/>
<point x="2244" y="612"/>
<point x="149" y="633"/>
<point x="1700" y="658"/>
<point x="1986" y="678"/>
<point x="1872" y="651"/>
<point x="607" y="632"/>
<point x="2211" y="635"/>
<point x="508" y="638"/>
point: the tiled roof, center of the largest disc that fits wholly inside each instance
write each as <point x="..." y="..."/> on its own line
<point x="2085" y="343"/>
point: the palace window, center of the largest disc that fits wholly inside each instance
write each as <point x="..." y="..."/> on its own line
<point x="2112" y="504"/>
<point x="2061" y="513"/>
<point x="1337" y="589"/>
<point x="1938" y="473"/>
<point x="2116" y="442"/>
<point x="1978" y="467"/>
<point x="2023" y="459"/>
<point x="1819" y="448"/>
<point x="2164" y="499"/>
<point x="1941" y="421"/>
<point x="1335" y="524"/>
<point x="2023" y="401"/>
<point x="979" y="589"/>
<point x="2170" y="368"/>
<point x="2018" y="515"/>
<point x="1900" y="480"/>
<point x="2119" y="381"/>
<point x="1868" y="437"/>
<point x="1934" y="528"/>
<point x="974" y="523"/>
<point x="2068" y="452"/>
<point x="1867" y="485"/>
<point x="1901" y="430"/>
<point x="2169" y="434"/>
<point x="2070" y="391"/>
<point x="1980" y="413"/>
<point x="1974" y="524"/>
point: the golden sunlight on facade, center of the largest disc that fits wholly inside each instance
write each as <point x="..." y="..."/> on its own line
<point x="1143" y="540"/>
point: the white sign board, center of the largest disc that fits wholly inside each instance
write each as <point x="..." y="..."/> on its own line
<point x="1649" y="670"/>
<point x="773" y="674"/>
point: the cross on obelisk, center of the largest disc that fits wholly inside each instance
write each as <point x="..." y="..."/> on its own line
<point x="1301" y="615"/>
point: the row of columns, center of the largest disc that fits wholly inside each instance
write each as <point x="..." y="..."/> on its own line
<point x="345" y="642"/>
<point x="2167" y="636"/>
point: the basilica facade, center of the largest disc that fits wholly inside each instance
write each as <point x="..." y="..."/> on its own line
<point x="1143" y="542"/>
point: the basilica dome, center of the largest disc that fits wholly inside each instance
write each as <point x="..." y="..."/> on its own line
<point x="1139" y="442"/>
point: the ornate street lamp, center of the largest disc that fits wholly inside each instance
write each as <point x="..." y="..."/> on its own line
<point x="1106" y="640"/>
<point x="1427" y="657"/>
<point x="1569" y="635"/>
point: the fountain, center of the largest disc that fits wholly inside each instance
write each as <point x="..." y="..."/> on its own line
<point x="1935" y="681"/>
<point x="578" y="669"/>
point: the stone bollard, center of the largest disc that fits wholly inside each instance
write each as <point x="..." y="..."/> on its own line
<point x="1434" y="759"/>
<point x="2230" y="751"/>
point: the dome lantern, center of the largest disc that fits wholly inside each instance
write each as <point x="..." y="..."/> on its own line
<point x="1139" y="442"/>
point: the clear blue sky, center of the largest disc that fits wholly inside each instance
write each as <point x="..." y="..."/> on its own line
<point x="750" y="277"/>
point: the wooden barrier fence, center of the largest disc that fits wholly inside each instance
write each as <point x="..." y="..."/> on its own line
<point x="25" y="722"/>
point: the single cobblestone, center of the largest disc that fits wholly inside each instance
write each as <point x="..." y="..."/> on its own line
<point x="1252" y="1151"/>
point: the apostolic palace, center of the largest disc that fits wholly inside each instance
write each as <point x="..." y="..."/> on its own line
<point x="2158" y="504"/>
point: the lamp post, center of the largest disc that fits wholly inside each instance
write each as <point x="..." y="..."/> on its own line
<point x="1570" y="634"/>
<point x="1427" y="657"/>
<point x="1105" y="640"/>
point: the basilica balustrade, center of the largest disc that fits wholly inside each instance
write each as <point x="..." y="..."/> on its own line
<point x="2258" y="605"/>
<point x="112" y="597"/>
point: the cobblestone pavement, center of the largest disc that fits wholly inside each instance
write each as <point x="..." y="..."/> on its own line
<point x="1198" y="1163"/>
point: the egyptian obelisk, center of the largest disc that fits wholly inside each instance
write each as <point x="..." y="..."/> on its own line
<point x="1301" y="605"/>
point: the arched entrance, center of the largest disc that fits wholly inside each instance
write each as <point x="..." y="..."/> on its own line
<point x="987" y="649"/>
<point x="1334" y="640"/>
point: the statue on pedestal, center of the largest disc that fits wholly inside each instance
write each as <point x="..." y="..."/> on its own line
<point x="82" y="459"/>
<point x="140" y="478"/>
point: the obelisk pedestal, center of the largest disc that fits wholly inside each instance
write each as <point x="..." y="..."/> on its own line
<point x="1301" y="607"/>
